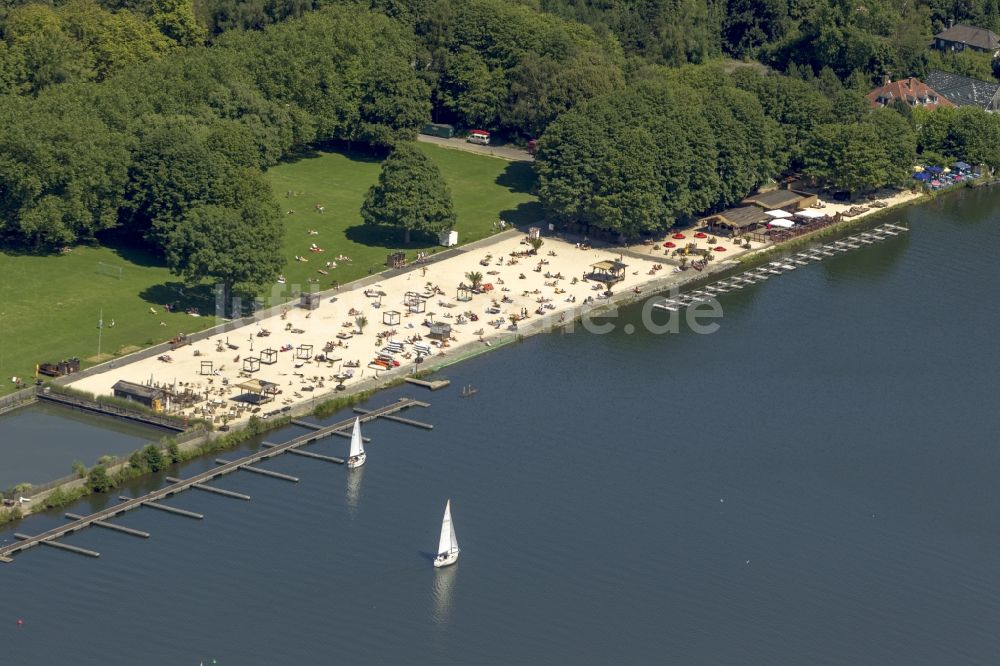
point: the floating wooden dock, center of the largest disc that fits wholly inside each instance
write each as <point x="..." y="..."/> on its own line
<point x="432" y="384"/>
<point x="779" y="267"/>
<point x="398" y="419"/>
<point x="212" y="489"/>
<point x="111" y="526"/>
<point x="309" y="454"/>
<point x="316" y="426"/>
<point x="151" y="499"/>
<point x="61" y="546"/>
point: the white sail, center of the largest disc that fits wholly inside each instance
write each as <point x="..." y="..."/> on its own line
<point x="448" y="542"/>
<point x="357" y="446"/>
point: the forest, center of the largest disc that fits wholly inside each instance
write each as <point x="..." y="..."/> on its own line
<point x="154" y="120"/>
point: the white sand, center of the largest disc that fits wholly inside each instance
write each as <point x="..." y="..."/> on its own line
<point x="321" y="326"/>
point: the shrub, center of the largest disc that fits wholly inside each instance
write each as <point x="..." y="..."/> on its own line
<point x="153" y="458"/>
<point x="98" y="480"/>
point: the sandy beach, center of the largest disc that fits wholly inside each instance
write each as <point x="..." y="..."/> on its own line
<point x="321" y="352"/>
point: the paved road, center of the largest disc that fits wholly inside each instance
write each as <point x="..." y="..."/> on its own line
<point x="504" y="152"/>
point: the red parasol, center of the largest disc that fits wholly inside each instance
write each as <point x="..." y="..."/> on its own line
<point x="679" y="236"/>
<point x="719" y="248"/>
<point x="700" y="235"/>
<point x="669" y="244"/>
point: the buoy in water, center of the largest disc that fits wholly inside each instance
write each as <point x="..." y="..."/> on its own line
<point x="20" y="623"/>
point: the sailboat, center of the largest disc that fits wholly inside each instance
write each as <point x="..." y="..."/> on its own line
<point x="357" y="457"/>
<point x="448" y="545"/>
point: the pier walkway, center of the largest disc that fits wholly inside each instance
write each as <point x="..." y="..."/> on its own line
<point x="779" y="266"/>
<point x="196" y="481"/>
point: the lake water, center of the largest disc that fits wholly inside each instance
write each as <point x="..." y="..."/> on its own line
<point x="814" y="483"/>
<point x="39" y="443"/>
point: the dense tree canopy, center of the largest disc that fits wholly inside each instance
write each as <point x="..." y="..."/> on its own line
<point x="157" y="117"/>
<point x="671" y="146"/>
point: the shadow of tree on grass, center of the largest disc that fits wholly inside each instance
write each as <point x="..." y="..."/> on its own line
<point x="181" y="297"/>
<point x="388" y="237"/>
<point x="518" y="177"/>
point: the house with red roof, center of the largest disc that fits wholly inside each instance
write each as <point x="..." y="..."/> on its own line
<point x="912" y="92"/>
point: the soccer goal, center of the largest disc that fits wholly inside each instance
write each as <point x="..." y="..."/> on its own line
<point x="109" y="270"/>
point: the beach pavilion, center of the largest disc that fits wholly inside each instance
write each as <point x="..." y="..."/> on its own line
<point x="257" y="391"/>
<point x="609" y="272"/>
<point x="735" y="221"/>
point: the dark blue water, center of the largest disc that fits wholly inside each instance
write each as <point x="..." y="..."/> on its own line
<point x="39" y="443"/>
<point x="814" y="483"/>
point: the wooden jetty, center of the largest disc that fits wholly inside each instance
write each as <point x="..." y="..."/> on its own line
<point x="111" y="526"/>
<point x="780" y="266"/>
<point x="316" y="426"/>
<point x="61" y="546"/>
<point x="151" y="499"/>
<point x="397" y="419"/>
<point x="432" y="384"/>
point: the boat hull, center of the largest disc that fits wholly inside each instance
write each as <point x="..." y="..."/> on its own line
<point x="356" y="461"/>
<point x="446" y="559"/>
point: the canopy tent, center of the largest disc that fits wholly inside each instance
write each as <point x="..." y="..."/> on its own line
<point x="783" y="224"/>
<point x="934" y="169"/>
<point x="923" y="176"/>
<point x="810" y="214"/>
<point x="779" y="214"/>
<point x="961" y="166"/>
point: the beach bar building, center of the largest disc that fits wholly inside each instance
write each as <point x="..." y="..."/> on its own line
<point x="780" y="200"/>
<point x="609" y="272"/>
<point x="155" y="398"/>
<point x="258" y="391"/>
<point x="735" y="221"/>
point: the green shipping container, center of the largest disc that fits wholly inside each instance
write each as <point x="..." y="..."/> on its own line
<point x="437" y="129"/>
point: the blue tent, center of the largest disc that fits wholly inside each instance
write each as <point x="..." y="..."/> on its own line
<point x="934" y="169"/>
<point x="961" y="166"/>
<point x="922" y="176"/>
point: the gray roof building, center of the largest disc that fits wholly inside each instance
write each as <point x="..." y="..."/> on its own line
<point x="965" y="90"/>
<point x="960" y="37"/>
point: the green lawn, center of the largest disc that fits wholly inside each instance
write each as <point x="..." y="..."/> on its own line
<point x="50" y="305"/>
<point x="484" y="189"/>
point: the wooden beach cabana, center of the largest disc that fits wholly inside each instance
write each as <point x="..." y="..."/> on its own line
<point x="609" y="271"/>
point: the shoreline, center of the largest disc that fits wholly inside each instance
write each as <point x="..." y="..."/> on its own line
<point x="552" y="321"/>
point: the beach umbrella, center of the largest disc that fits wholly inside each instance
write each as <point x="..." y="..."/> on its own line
<point x="700" y="235"/>
<point x="719" y="248"/>
<point x="678" y="236"/>
<point x="669" y="244"/>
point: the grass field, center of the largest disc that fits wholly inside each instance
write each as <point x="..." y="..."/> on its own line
<point x="484" y="189"/>
<point x="50" y="305"/>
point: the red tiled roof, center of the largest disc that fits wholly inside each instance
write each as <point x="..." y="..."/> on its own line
<point x="913" y="92"/>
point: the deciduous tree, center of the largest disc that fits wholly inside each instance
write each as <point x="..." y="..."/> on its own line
<point x="410" y="195"/>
